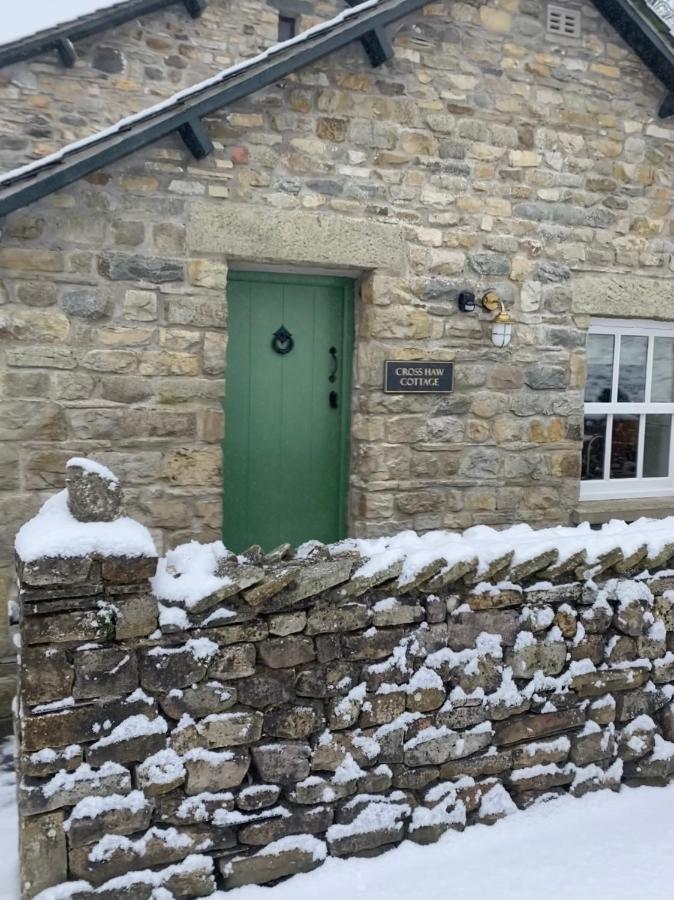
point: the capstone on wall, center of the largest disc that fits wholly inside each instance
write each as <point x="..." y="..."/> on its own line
<point x="484" y="155"/>
<point x="235" y="720"/>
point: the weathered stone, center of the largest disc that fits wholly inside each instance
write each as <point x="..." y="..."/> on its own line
<point x="60" y="791"/>
<point x="198" y="701"/>
<point x="314" y="820"/>
<point x="92" y="497"/>
<point x="42" y="852"/>
<point x="548" y="656"/>
<point x="286" y="652"/>
<point x="494" y="598"/>
<point x="642" y="701"/>
<point x="371" y="644"/>
<point x="315" y="579"/>
<point x="284" y="624"/>
<point x="464" y="627"/>
<point x="156" y="848"/>
<point x="591" y="746"/>
<point x="282" y="762"/>
<point x="294" y="722"/>
<point x="380" y="709"/>
<point x="104" y="673"/>
<point x="230" y="729"/>
<point x="541" y="753"/>
<point x="333" y="619"/>
<point x="135" y="739"/>
<point x="536" y="780"/>
<point x="128" y="570"/>
<point x="593" y="684"/>
<point x="210" y="770"/>
<point x="390" y="612"/>
<point x="266" y="689"/>
<point x="629" y="618"/>
<point x="361" y="583"/>
<point x="123" y="267"/>
<point x="347" y="840"/>
<point x="237" y="661"/>
<point x="45" y="675"/>
<point x="261" y="869"/>
<point x="258" y="796"/>
<point x="72" y="725"/>
<point x="270" y="587"/>
<point x="164" y="668"/>
<point x="117" y="815"/>
<point x="537" y="726"/>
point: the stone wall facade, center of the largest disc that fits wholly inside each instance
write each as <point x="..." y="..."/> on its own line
<point x="486" y="154"/>
<point x="319" y="703"/>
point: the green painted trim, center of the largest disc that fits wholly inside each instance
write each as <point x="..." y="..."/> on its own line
<point x="284" y="278"/>
<point x="346" y="377"/>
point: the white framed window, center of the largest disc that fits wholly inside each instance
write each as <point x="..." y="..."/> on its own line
<point x="628" y="448"/>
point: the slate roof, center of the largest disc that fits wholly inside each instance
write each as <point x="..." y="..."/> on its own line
<point x="60" y="37"/>
<point x="183" y="111"/>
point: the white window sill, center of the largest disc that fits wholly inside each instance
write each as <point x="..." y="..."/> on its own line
<point x="629" y="509"/>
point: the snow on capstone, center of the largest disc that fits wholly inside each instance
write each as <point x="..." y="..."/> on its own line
<point x="55" y="532"/>
<point x="187" y="573"/>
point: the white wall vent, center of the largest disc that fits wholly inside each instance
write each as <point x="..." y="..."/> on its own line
<point x="563" y="22"/>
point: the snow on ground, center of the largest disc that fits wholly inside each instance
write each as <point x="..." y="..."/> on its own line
<point x="22" y="19"/>
<point x="9" y="862"/>
<point x="604" y="846"/>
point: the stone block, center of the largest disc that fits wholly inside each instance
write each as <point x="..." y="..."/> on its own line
<point x="314" y="820"/>
<point x="230" y="729"/>
<point x="158" y="847"/>
<point x="532" y="727"/>
<point x="593" y="684"/>
<point x="282" y="762"/>
<point x="201" y="700"/>
<point x="266" y="689"/>
<point x="237" y="661"/>
<point x="213" y="771"/>
<point x="93" y="818"/>
<point x="294" y="722"/>
<point x="279" y="860"/>
<point x="337" y="619"/>
<point x="287" y="652"/>
<point x="104" y="672"/>
<point x="42" y="852"/>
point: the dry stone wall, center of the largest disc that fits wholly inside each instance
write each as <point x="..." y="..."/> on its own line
<point x="211" y="720"/>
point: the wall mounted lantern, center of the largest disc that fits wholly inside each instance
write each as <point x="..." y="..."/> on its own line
<point x="502" y="327"/>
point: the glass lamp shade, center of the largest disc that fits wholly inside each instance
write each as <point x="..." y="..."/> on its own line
<point x="501" y="332"/>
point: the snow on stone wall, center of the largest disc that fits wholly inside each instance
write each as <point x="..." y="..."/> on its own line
<point x="212" y="720"/>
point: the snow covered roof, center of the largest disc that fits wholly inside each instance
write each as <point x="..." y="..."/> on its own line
<point x="183" y="111"/>
<point x="33" y="26"/>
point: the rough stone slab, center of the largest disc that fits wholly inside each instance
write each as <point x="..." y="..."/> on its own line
<point x="230" y="729"/>
<point x="496" y="598"/>
<point x="372" y="644"/>
<point x="449" y="575"/>
<point x="463" y="628"/>
<point x="121" y="820"/>
<point x="287" y="652"/>
<point x="265" y="689"/>
<point x="198" y="701"/>
<point x="290" y="236"/>
<point x="128" y="570"/>
<point x="237" y="661"/>
<point x="313" y="820"/>
<point x="521" y="781"/>
<point x="359" y="584"/>
<point x="80" y="723"/>
<point x="281" y="762"/>
<point x="55" y="570"/>
<point x="154" y="850"/>
<point x="261" y="868"/>
<point x="594" y="684"/>
<point x="59" y="792"/>
<point x="271" y="586"/>
<point x="46" y="675"/>
<point x="333" y="619"/>
<point x="532" y="727"/>
<point x="531" y="566"/>
<point x="494" y="569"/>
<point x="315" y="579"/>
<point x="104" y="672"/>
<point x="42" y="853"/>
<point x="164" y="668"/>
<point x="547" y="656"/>
<point x="213" y="771"/>
<point x="294" y="722"/>
<point x="408" y="585"/>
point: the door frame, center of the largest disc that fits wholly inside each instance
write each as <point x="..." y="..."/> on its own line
<point x="346" y="369"/>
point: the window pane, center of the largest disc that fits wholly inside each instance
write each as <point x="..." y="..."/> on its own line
<point x="632" y="373"/>
<point x="656" y="446"/>
<point x="624" y="444"/>
<point x="594" y="440"/>
<point x="662" y="382"/>
<point x="599" y="368"/>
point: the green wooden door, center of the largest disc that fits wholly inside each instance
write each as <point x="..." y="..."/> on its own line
<point x="286" y="439"/>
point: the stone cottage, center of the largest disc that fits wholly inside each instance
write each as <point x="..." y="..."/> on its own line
<point x="421" y="251"/>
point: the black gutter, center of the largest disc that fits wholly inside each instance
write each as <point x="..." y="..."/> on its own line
<point x="81" y="161"/>
<point x="652" y="48"/>
<point x="60" y="36"/>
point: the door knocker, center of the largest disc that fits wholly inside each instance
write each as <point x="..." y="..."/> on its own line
<point x="282" y="341"/>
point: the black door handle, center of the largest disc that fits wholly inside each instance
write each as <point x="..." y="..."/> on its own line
<point x="333" y="397"/>
<point x="332" y="377"/>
